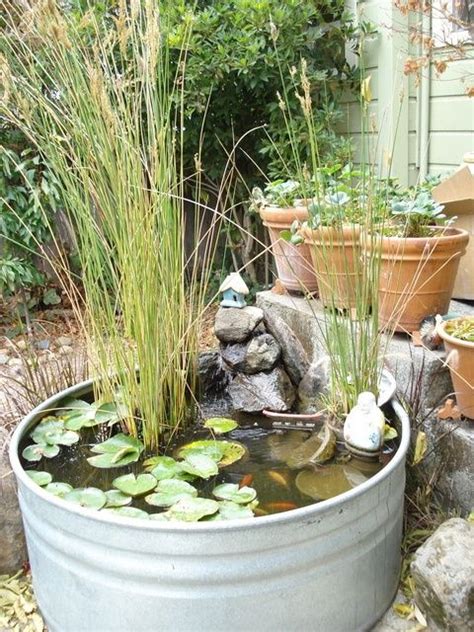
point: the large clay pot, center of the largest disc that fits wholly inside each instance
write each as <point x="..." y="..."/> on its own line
<point x="417" y="276"/>
<point x="336" y="255"/>
<point x="294" y="264"/>
<point x="460" y="359"/>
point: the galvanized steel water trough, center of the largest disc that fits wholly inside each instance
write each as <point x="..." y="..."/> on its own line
<point x="332" y="566"/>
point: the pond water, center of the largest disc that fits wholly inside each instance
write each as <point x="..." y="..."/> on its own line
<point x="270" y="466"/>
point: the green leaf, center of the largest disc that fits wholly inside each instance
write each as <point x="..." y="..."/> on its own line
<point x="59" y="489"/>
<point x="420" y="447"/>
<point x="117" y="442"/>
<point x="106" y="461"/>
<point x="117" y="451"/>
<point x="129" y="512"/>
<point x="48" y="431"/>
<point x="220" y="425"/>
<point x="117" y="499"/>
<point x="223" y="452"/>
<point x="51" y="297"/>
<point x="162" y="467"/>
<point x="40" y="478"/>
<point x="389" y="433"/>
<point x="90" y="497"/>
<point x="169" y="491"/>
<point x="192" y="509"/>
<point x="199" y="465"/>
<point x="36" y="451"/>
<point x="135" y="485"/>
<point x="234" y="493"/>
<point x="229" y="510"/>
<point x="286" y="235"/>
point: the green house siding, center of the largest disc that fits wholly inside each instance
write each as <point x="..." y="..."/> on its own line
<point x="433" y="119"/>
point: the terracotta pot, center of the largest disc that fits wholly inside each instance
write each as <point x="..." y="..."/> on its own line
<point x="336" y="257"/>
<point x="417" y="276"/>
<point x="460" y="359"/>
<point x="293" y="263"/>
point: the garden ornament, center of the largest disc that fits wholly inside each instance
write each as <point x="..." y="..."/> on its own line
<point x="233" y="289"/>
<point x="364" y="427"/>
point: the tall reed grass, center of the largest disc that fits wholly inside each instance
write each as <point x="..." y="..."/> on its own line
<point x="97" y="96"/>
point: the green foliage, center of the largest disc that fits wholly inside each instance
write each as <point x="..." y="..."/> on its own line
<point x="29" y="196"/>
<point x="240" y="56"/>
<point x="461" y="328"/>
<point x="416" y="217"/>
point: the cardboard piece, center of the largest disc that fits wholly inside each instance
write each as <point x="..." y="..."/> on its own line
<point x="457" y="195"/>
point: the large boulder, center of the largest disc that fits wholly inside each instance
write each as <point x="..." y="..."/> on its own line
<point x="236" y="325"/>
<point x="213" y="378"/>
<point x="293" y="355"/>
<point x="254" y="393"/>
<point x="260" y="353"/>
<point x="442" y="569"/>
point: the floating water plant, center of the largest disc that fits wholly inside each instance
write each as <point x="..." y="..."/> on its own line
<point x="117" y="451"/>
<point x="116" y="498"/>
<point x="234" y="493"/>
<point x="59" y="489"/>
<point x="169" y="491"/>
<point x="223" y="452"/>
<point x="190" y="509"/>
<point x="135" y="485"/>
<point x="40" y="478"/>
<point x="90" y="497"/>
<point x="220" y="425"/>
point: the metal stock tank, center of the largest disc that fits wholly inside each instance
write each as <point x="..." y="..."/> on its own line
<point x="332" y="566"/>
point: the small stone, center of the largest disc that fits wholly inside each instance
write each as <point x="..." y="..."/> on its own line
<point x="270" y="391"/>
<point x="4" y="358"/>
<point x="315" y="383"/>
<point x="294" y="356"/>
<point x="444" y="581"/>
<point x="261" y="353"/>
<point x="64" y="341"/>
<point x="65" y="350"/>
<point x="15" y="362"/>
<point x="236" y="325"/>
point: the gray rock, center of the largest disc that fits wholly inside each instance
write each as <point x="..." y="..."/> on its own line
<point x="294" y="356"/>
<point x="213" y="378"/>
<point x="63" y="341"/>
<point x="236" y="325"/>
<point x="12" y="540"/>
<point x="315" y="383"/>
<point x="4" y="358"/>
<point x="254" y="393"/>
<point x="261" y="353"/>
<point x="442" y="569"/>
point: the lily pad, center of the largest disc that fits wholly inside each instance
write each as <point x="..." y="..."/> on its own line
<point x="223" y="452"/>
<point x="129" y="512"/>
<point x="40" y="478"/>
<point x="36" y="451"/>
<point x="76" y="414"/>
<point x="51" y="431"/>
<point x="115" y="498"/>
<point x="192" y="509"/>
<point x="220" y="425"/>
<point x="229" y="510"/>
<point x="199" y="465"/>
<point x="170" y="491"/>
<point x="81" y="414"/>
<point x="324" y="482"/>
<point x="135" y="485"/>
<point x="117" y="451"/>
<point x="59" y="489"/>
<point x="163" y="467"/>
<point x="234" y="493"/>
<point x="90" y="497"/>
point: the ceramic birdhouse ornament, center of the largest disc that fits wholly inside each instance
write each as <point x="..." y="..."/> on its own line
<point x="364" y="427"/>
<point x="233" y="289"/>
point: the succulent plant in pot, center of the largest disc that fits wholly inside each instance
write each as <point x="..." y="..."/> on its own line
<point x="281" y="206"/>
<point x="458" y="338"/>
<point x="420" y="255"/>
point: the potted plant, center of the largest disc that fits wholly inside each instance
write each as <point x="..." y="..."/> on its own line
<point x="281" y="206"/>
<point x="458" y="338"/>
<point x="103" y="116"/>
<point x="420" y="255"/>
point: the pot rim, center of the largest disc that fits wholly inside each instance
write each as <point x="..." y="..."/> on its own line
<point x="459" y="233"/>
<point x="452" y="340"/>
<point x="212" y="527"/>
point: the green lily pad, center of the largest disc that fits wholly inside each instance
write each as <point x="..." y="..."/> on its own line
<point x="220" y="425"/>
<point x="135" y="485"/>
<point x="199" y="465"/>
<point x="36" y="451"/>
<point x="59" y="489"/>
<point x="90" y="497"/>
<point x="117" y="451"/>
<point x="192" y="509"/>
<point x="234" y="493"/>
<point x="76" y="414"/>
<point x="51" y="431"/>
<point x="115" y="498"/>
<point x="162" y="467"/>
<point x="84" y="415"/>
<point x="169" y="491"/>
<point x="229" y="510"/>
<point x="130" y="512"/>
<point x="223" y="452"/>
<point x="40" y="478"/>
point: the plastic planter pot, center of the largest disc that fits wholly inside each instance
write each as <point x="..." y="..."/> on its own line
<point x="460" y="360"/>
<point x="294" y="264"/>
<point x="332" y="566"/>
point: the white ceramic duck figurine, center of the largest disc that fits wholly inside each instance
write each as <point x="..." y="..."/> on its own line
<point x="364" y="427"/>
